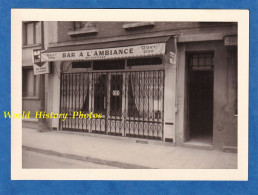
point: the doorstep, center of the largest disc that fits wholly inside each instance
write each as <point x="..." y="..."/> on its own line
<point x="198" y="145"/>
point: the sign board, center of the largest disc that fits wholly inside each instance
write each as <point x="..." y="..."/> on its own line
<point x="37" y="56"/>
<point x="115" y="92"/>
<point x="172" y="57"/>
<point x="172" y="47"/>
<point x="39" y="67"/>
<point x="108" y="53"/>
<point x="230" y="40"/>
<point x="42" y="69"/>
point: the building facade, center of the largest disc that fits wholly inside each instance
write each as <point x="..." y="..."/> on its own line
<point x="174" y="82"/>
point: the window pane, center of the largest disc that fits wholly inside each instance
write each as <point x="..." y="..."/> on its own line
<point x="30" y="35"/>
<point x="195" y="62"/>
<point x="208" y="61"/>
<point x="109" y="65"/>
<point x="36" y="87"/>
<point x="38" y="32"/>
<point x="202" y="61"/>
<point x="81" y="64"/>
<point x="24" y="82"/>
<point x="28" y="82"/>
<point x="144" y="61"/>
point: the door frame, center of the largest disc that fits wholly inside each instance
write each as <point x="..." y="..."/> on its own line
<point x="186" y="136"/>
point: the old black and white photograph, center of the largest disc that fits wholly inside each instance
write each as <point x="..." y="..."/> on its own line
<point x="129" y="94"/>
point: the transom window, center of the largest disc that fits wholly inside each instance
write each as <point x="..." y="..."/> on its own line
<point x="201" y="61"/>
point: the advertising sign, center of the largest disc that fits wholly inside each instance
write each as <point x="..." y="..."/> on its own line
<point x="39" y="67"/>
<point x="108" y="53"/>
<point x="230" y="40"/>
<point x="42" y="69"/>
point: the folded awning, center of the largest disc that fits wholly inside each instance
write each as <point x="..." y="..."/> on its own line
<point x="108" y="50"/>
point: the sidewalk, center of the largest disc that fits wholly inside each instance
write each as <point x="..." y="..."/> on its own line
<point x="122" y="153"/>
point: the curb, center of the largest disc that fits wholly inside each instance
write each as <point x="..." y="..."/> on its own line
<point x="86" y="158"/>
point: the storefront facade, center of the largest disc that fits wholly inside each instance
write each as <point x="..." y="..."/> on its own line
<point x="125" y="85"/>
<point x="170" y="82"/>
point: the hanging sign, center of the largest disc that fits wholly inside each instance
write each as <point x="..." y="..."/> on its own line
<point x="172" y="57"/>
<point x="39" y="67"/>
<point x="115" y="92"/>
<point x="108" y="53"/>
<point x="42" y="69"/>
<point x="172" y="51"/>
<point x="37" y="57"/>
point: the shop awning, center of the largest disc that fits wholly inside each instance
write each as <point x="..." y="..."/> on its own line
<point x="108" y="50"/>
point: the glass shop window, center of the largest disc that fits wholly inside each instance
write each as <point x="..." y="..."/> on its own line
<point x="144" y="61"/>
<point x="109" y="65"/>
<point x="145" y="94"/>
<point x="81" y="64"/>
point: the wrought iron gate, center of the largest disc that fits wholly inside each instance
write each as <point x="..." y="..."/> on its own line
<point x="131" y="103"/>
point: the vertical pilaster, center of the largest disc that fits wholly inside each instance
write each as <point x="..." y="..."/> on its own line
<point x="170" y="90"/>
<point x="181" y="100"/>
<point x="55" y="82"/>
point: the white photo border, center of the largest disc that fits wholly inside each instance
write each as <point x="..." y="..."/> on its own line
<point x="169" y="15"/>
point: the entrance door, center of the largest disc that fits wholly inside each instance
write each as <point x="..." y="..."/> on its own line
<point x="115" y="119"/>
<point x="200" y="98"/>
<point x="108" y="102"/>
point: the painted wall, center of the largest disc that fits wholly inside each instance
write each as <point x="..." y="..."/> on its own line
<point x="53" y="94"/>
<point x="30" y="104"/>
<point x="114" y="29"/>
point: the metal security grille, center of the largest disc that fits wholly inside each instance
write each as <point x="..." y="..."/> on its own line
<point x="130" y="103"/>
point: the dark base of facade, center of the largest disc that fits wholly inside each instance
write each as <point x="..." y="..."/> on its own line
<point x="229" y="149"/>
<point x="118" y="134"/>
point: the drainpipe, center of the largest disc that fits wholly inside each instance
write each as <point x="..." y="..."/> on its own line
<point x="42" y="121"/>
